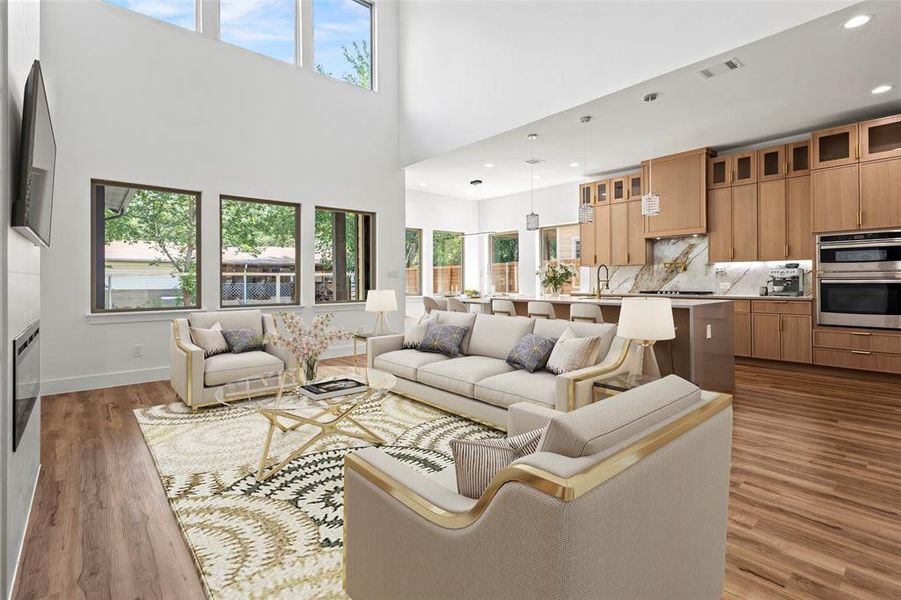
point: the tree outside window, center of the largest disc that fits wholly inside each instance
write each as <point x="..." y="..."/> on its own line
<point x="447" y="262"/>
<point x="504" y="265"/>
<point x="344" y="252"/>
<point x="342" y="40"/>
<point x="413" y="256"/>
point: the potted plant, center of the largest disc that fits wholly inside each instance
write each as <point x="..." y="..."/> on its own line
<point x="305" y="341"/>
<point x="554" y="276"/>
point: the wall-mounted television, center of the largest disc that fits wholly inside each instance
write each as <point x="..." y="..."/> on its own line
<point x="33" y="203"/>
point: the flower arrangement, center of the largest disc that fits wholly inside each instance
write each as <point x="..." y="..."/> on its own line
<point x="554" y="276"/>
<point x="307" y="341"/>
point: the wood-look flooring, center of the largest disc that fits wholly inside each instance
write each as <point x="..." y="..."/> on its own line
<point x="815" y="509"/>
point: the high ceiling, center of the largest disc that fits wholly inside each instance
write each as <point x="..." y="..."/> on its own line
<point x="813" y="75"/>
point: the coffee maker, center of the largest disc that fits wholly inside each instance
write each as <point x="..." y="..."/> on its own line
<point x="787" y="280"/>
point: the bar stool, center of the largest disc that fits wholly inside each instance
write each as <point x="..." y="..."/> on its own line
<point x="455" y="305"/>
<point x="589" y="313"/>
<point x="541" y="310"/>
<point x="430" y="304"/>
<point x="503" y="307"/>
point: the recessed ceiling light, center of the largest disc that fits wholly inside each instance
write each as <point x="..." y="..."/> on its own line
<point x="574" y="164"/>
<point x="488" y="165"/>
<point x="423" y="184"/>
<point x="881" y="89"/>
<point x="536" y="176"/>
<point x="857" y="21"/>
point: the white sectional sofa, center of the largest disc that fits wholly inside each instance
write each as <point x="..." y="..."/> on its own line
<point x="479" y="384"/>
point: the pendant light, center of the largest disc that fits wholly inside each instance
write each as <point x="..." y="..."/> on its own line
<point x="650" y="202"/>
<point x="586" y="211"/>
<point x="532" y="217"/>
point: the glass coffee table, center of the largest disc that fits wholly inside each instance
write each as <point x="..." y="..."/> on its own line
<point x="288" y="409"/>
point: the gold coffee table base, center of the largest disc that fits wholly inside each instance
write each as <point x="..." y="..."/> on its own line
<point x="339" y="412"/>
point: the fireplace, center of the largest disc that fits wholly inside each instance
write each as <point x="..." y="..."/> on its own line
<point x="26" y="378"/>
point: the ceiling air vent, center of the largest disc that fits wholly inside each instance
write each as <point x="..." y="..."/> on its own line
<point x="534" y="161"/>
<point x="730" y="64"/>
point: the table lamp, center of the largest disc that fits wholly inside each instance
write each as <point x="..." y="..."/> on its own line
<point x="646" y="320"/>
<point x="381" y="302"/>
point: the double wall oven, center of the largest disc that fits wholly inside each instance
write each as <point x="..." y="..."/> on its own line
<point x="859" y="279"/>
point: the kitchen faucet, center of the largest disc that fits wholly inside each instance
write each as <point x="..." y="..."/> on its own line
<point x="606" y="281"/>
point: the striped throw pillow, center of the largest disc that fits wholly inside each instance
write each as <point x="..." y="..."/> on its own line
<point x="478" y="461"/>
<point x="211" y="340"/>
<point x="572" y="353"/>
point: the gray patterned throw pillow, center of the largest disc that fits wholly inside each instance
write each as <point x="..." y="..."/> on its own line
<point x="531" y="353"/>
<point x="478" y="461"/>
<point x="242" y="340"/>
<point x="443" y="339"/>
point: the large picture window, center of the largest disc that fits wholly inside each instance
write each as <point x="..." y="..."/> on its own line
<point x="561" y="245"/>
<point x="344" y="248"/>
<point x="145" y="247"/>
<point x="505" y="262"/>
<point x="264" y="27"/>
<point x="413" y="255"/>
<point x="259" y="254"/>
<point x="447" y="262"/>
<point x="342" y="40"/>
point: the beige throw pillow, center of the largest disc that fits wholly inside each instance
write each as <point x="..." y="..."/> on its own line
<point x="478" y="461"/>
<point x="211" y="340"/>
<point x="572" y="353"/>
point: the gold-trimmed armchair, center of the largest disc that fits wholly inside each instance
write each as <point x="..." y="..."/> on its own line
<point x="195" y="379"/>
<point x="627" y="498"/>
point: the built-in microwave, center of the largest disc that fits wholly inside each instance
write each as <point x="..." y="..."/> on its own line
<point x="859" y="252"/>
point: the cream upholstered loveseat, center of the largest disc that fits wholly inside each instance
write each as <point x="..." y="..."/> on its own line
<point x="626" y="498"/>
<point x="480" y="384"/>
<point x="196" y="379"/>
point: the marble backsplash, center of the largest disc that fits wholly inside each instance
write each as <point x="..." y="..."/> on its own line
<point x="737" y="278"/>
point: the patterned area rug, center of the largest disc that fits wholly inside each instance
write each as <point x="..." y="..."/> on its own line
<point x="281" y="538"/>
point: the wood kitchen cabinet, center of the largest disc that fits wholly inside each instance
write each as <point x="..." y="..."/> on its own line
<point x="870" y="350"/>
<point x="771" y="163"/>
<point x="633" y="186"/>
<point x="798" y="158"/>
<point x="744" y="168"/>
<point x="681" y="181"/>
<point x="586" y="194"/>
<point x="880" y="138"/>
<point x="783" y="219"/>
<point x="782" y="330"/>
<point x="628" y="245"/>
<point x="744" y="222"/>
<point x="587" y="248"/>
<point x="618" y="189"/>
<point x="719" y="172"/>
<point x="719" y="224"/>
<point x="601" y="192"/>
<point x="835" y="147"/>
<point x="742" y="323"/>
<point x="594" y="238"/>
<point x="836" y="198"/>
<point x="880" y="194"/>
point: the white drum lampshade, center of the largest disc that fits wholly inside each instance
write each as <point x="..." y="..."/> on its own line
<point x="381" y="302"/>
<point x="646" y="320"/>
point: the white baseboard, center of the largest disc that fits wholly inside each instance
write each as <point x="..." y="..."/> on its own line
<point x="97" y="381"/>
<point x="34" y="491"/>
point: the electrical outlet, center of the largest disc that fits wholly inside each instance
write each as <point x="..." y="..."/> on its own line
<point x="137" y="350"/>
<point x="709" y="331"/>
<point x="392" y="275"/>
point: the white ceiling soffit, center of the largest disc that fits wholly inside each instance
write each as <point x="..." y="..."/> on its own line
<point x="814" y="75"/>
<point x="474" y="69"/>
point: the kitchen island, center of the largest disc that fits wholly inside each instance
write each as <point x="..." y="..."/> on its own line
<point x="702" y="352"/>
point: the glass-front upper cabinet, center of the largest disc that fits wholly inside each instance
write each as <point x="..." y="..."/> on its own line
<point x="719" y="172"/>
<point x="601" y="192"/>
<point x="834" y="147"/>
<point x="586" y="194"/>
<point x="771" y="163"/>
<point x="618" y="189"/>
<point x="880" y="138"/>
<point x="744" y="168"/>
<point x="798" y="158"/>
<point x="634" y="186"/>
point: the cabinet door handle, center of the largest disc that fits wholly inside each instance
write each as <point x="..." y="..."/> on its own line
<point x="786" y="250"/>
<point x="860" y="352"/>
<point x="857" y="151"/>
<point x="859" y="218"/>
<point x="861" y="333"/>
<point x="780" y="323"/>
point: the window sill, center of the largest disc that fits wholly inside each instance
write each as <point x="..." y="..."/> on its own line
<point x="113" y="318"/>
<point x="266" y="308"/>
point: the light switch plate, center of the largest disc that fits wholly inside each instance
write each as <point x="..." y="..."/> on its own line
<point x="392" y="275"/>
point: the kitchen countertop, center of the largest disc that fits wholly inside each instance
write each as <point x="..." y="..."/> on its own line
<point x="568" y="299"/>
<point x="678" y="302"/>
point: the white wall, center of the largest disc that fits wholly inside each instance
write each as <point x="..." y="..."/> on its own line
<point x="470" y="70"/>
<point x="21" y="284"/>
<point x="431" y="212"/>
<point x="137" y="100"/>
<point x="555" y="205"/>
